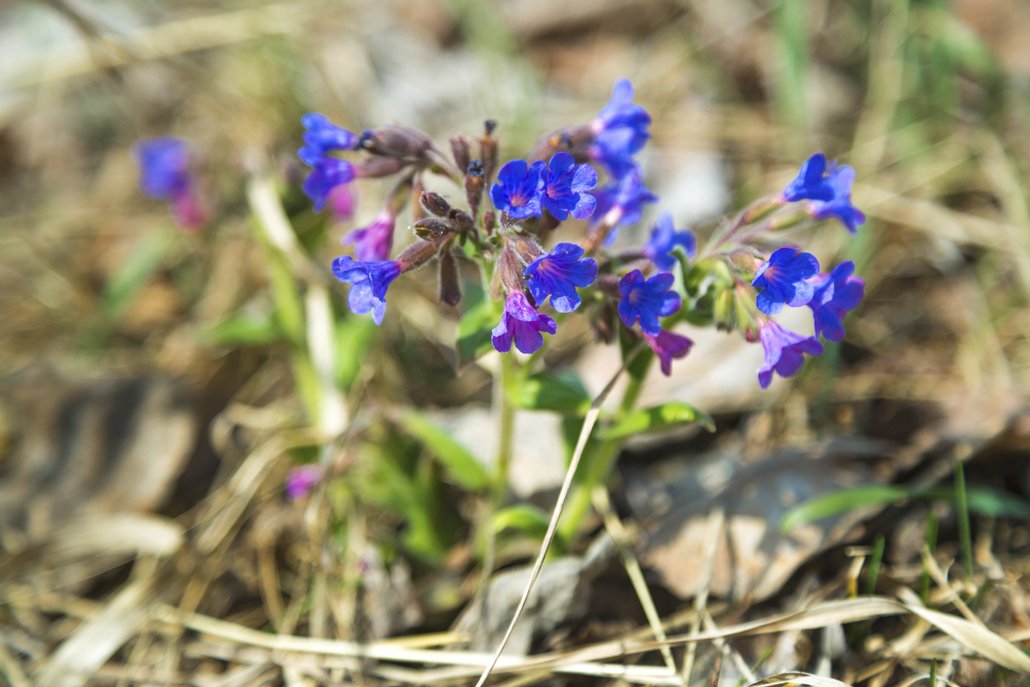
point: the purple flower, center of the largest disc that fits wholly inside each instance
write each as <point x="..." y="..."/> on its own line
<point x="330" y="173"/>
<point x="784" y="351"/>
<point x="369" y="281"/>
<point x="784" y="280"/>
<point x="621" y="202"/>
<point x="667" y="346"/>
<point x="566" y="185"/>
<point x="374" y="241"/>
<point x="342" y="202"/>
<point x="558" y="273"/>
<point x="811" y="182"/>
<point x="522" y="323"/>
<point x="300" y="480"/>
<point x="646" y="300"/>
<point x="164" y="167"/>
<point x="620" y="130"/>
<point x="322" y="136"/>
<point x="836" y="294"/>
<point x="664" y="238"/>
<point x="839" y="204"/>
<point x="165" y="174"/>
<point x="518" y="189"/>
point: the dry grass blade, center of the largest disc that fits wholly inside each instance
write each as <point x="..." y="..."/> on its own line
<point x="552" y="527"/>
<point x="975" y="637"/>
<point x="96" y="640"/>
<point x="798" y="679"/>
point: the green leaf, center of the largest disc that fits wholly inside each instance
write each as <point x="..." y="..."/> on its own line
<point x="459" y="462"/>
<point x="842" y="502"/>
<point x="525" y="518"/>
<point x="245" y="329"/>
<point x="984" y="501"/>
<point x="147" y="255"/>
<point x="560" y="392"/>
<point x="474" y="331"/>
<point x="354" y="335"/>
<point x="655" y="418"/>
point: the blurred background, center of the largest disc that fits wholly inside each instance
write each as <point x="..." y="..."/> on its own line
<point x="153" y="399"/>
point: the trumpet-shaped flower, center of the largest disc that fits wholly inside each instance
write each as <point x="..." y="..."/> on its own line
<point x="784" y="279"/>
<point x="369" y="281"/>
<point x="558" y="273"/>
<point x="836" y="294"/>
<point x="667" y="346"/>
<point x="646" y="300"/>
<point x="374" y="241"/>
<point x="664" y="238"/>
<point x="565" y="186"/>
<point x="784" y="351"/>
<point x="521" y="323"/>
<point x="518" y="189"/>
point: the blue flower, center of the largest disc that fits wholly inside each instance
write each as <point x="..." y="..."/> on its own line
<point x="667" y="345"/>
<point x="839" y="205"/>
<point x="330" y="173"/>
<point x="164" y="167"/>
<point x="374" y="241"/>
<point x="622" y="202"/>
<point x="784" y="280"/>
<point x="620" y="130"/>
<point x="836" y="294"/>
<point x="664" y="238"/>
<point x="518" y="189"/>
<point x="784" y="351"/>
<point x="566" y="185"/>
<point x="165" y="174"/>
<point x="557" y="275"/>
<point x="811" y="182"/>
<point x="522" y="324"/>
<point x="322" y="136"/>
<point x="646" y="300"/>
<point x="369" y="280"/>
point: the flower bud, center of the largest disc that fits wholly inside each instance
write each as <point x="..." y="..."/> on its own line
<point x="488" y="152"/>
<point x="417" y="254"/>
<point x="435" y="203"/>
<point x="396" y="141"/>
<point x="460" y="151"/>
<point x="431" y="228"/>
<point x="450" y="282"/>
<point x="379" y="167"/>
<point x="461" y="220"/>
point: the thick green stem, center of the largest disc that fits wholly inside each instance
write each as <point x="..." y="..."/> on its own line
<point x="507" y="372"/>
<point x="597" y="466"/>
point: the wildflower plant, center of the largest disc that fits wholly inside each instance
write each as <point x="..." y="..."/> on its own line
<point x="502" y="217"/>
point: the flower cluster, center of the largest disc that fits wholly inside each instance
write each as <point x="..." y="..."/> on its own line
<point x="559" y="181"/>
<point x="166" y="173"/>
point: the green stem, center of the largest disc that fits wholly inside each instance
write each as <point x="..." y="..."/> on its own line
<point x="597" y="466"/>
<point x="507" y="374"/>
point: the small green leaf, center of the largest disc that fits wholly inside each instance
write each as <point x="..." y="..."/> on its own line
<point x="147" y="255"/>
<point x="842" y="502"/>
<point x="474" y="331"/>
<point x="655" y="418"/>
<point x="459" y="462"/>
<point x="244" y="329"/>
<point x="560" y="392"/>
<point x="354" y="335"/>
<point x="525" y="518"/>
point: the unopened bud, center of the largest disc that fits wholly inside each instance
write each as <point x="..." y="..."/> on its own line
<point x="488" y="156"/>
<point x="396" y="141"/>
<point x="474" y="184"/>
<point x="431" y="228"/>
<point x="489" y="222"/>
<point x="417" y="254"/>
<point x="377" y="167"/>
<point x="450" y="282"/>
<point x="460" y="151"/>
<point x="462" y="220"/>
<point x="435" y="203"/>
